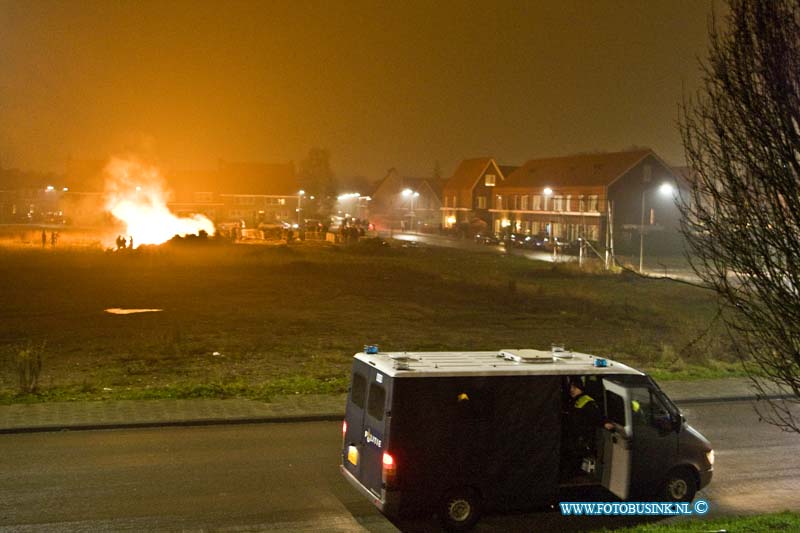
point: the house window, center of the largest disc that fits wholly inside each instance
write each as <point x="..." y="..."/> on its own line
<point x="523" y="204"/>
<point x="569" y="202"/>
<point x="558" y="203"/>
<point x="498" y="202"/>
<point x="481" y="202"/>
<point x="593" y="203"/>
<point x="582" y="203"/>
<point x="537" y="202"/>
<point x="516" y="202"/>
<point x="244" y="200"/>
<point x="490" y="180"/>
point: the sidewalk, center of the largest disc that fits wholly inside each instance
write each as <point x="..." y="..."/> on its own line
<point x="59" y="416"/>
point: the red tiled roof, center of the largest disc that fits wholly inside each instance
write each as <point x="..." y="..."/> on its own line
<point x="466" y="174"/>
<point x="585" y="170"/>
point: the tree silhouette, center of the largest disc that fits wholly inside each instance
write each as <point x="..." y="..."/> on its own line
<point x="741" y="133"/>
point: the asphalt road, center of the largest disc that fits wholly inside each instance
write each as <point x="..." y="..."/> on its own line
<point x="653" y="266"/>
<point x="284" y="477"/>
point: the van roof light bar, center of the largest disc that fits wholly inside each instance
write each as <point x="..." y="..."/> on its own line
<point x="560" y="352"/>
<point x="526" y="356"/>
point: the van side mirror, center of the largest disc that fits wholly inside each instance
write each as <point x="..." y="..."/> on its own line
<point x="664" y="422"/>
<point x="679" y="422"/>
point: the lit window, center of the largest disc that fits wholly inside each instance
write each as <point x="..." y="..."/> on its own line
<point x="481" y="202"/>
<point x="490" y="180"/>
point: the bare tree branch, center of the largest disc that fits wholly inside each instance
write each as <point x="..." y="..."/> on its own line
<point x="741" y="218"/>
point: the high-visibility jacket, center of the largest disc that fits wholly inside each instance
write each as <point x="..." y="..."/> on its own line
<point x="584" y="418"/>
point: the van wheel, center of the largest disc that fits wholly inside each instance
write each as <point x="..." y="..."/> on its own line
<point x="680" y="486"/>
<point x="460" y="509"/>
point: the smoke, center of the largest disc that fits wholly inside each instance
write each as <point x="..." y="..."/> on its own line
<point x="137" y="195"/>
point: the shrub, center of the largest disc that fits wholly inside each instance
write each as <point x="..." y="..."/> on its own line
<point x="29" y="366"/>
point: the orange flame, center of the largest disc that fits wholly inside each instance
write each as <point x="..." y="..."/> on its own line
<point x="136" y="194"/>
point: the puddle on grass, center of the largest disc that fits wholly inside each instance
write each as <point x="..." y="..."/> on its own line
<point x="118" y="311"/>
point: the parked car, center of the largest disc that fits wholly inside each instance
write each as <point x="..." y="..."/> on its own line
<point x="486" y="239"/>
<point x="568" y="247"/>
<point x="534" y="242"/>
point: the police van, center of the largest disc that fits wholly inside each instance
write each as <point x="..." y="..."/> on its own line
<point x="457" y="434"/>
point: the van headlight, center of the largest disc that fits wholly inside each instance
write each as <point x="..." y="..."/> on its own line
<point x="710" y="457"/>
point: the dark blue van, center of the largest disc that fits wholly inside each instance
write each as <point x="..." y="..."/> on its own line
<point x="457" y="434"/>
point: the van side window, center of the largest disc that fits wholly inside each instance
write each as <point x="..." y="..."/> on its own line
<point x="359" y="391"/>
<point x="615" y="408"/>
<point x="640" y="406"/>
<point x="376" y="402"/>
<point x="648" y="409"/>
<point x="660" y="416"/>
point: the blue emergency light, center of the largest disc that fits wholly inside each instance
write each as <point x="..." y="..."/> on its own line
<point x="602" y="363"/>
<point x="371" y="349"/>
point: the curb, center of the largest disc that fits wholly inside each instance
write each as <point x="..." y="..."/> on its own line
<point x="324" y="417"/>
<point x="175" y="423"/>
<point x="725" y="399"/>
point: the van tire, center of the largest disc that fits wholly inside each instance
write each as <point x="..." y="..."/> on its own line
<point x="460" y="509"/>
<point x="680" y="486"/>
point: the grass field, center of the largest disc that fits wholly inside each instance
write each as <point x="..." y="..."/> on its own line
<point x="288" y="318"/>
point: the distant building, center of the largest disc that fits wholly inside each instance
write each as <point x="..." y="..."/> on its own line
<point x="29" y="197"/>
<point x="571" y="197"/>
<point x="246" y="193"/>
<point x="400" y="202"/>
<point x="467" y="194"/>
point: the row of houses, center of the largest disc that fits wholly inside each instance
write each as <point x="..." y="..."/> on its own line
<point x="598" y="197"/>
<point x="247" y="194"/>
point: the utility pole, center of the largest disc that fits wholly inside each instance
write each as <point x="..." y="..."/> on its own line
<point x="641" y="236"/>
<point x="611" y="230"/>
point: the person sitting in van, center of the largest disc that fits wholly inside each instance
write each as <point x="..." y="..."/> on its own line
<point x="583" y="419"/>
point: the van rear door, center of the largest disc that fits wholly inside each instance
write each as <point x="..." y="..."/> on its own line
<point x="367" y="427"/>
<point x="354" y="420"/>
<point x="616" y="473"/>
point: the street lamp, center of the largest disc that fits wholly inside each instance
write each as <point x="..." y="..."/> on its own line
<point x="665" y="189"/>
<point x="408" y="193"/>
<point x="300" y="195"/>
<point x="548" y="192"/>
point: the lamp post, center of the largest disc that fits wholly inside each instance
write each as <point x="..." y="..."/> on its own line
<point x="664" y="189"/>
<point x="300" y="195"/>
<point x="411" y="195"/>
<point x="548" y="192"/>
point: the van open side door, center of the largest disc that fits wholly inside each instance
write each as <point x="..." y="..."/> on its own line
<point x="617" y="443"/>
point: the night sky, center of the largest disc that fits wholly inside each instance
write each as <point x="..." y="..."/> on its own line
<point x="380" y="84"/>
